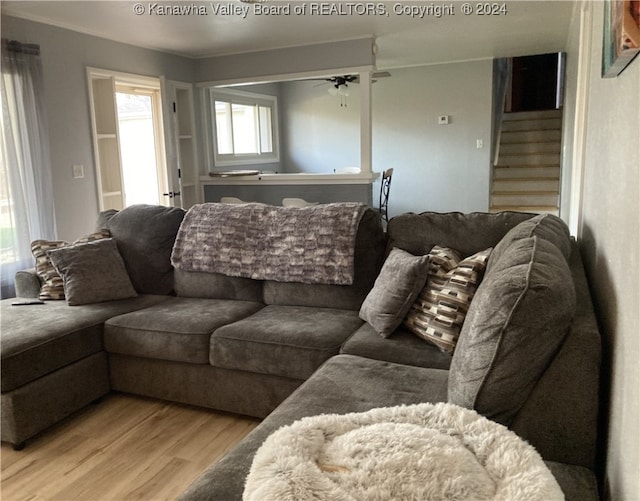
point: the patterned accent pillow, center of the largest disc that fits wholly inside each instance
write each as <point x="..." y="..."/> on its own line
<point x="53" y="286"/>
<point x="440" y="309"/>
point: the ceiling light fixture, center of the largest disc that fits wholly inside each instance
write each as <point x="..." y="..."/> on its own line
<point x="341" y="89"/>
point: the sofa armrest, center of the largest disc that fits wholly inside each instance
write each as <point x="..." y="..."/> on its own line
<point x="27" y="283"/>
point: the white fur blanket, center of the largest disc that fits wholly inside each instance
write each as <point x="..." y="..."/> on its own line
<point x="266" y="242"/>
<point x="420" y="452"/>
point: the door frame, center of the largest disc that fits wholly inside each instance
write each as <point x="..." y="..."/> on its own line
<point x="145" y="85"/>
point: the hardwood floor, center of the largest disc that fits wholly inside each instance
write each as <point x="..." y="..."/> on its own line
<point x="124" y="447"/>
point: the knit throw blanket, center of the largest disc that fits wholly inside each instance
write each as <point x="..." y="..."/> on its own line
<point x="313" y="245"/>
<point x="429" y="452"/>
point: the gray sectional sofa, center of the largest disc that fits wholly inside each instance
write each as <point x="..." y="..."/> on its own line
<point x="282" y="351"/>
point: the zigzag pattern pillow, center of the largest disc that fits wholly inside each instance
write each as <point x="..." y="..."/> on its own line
<point x="52" y="285"/>
<point x="439" y="311"/>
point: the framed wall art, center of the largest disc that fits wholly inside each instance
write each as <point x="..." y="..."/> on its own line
<point x="621" y="41"/>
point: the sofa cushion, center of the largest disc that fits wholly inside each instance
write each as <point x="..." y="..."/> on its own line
<point x="343" y="384"/>
<point x="216" y="286"/>
<point x="178" y="329"/>
<point x="402" y="277"/>
<point x="92" y="272"/>
<point x="368" y="257"/>
<point x="145" y="235"/>
<point x="467" y="233"/>
<point x="401" y="347"/>
<point x="289" y="341"/>
<point x="515" y="325"/>
<point x="545" y="226"/>
<point x="52" y="283"/>
<point x="577" y="482"/>
<point x="439" y="311"/>
<point x="37" y="342"/>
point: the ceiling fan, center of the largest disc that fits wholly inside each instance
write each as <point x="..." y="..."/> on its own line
<point x="344" y="80"/>
<point x="340" y="83"/>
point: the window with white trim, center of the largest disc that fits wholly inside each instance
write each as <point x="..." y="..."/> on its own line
<point x="244" y="127"/>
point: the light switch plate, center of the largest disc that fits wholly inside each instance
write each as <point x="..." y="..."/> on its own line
<point x="78" y="171"/>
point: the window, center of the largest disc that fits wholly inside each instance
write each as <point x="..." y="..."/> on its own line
<point x="26" y="188"/>
<point x="244" y="127"/>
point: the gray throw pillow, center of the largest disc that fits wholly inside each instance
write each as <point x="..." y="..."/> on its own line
<point x="516" y="323"/>
<point x="92" y="272"/>
<point x="402" y="277"/>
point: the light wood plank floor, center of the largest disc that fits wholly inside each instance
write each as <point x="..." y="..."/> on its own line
<point x="125" y="447"/>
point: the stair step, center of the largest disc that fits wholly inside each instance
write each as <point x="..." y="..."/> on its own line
<point x="524" y="208"/>
<point x="542" y="124"/>
<point x="529" y="159"/>
<point x="515" y="193"/>
<point x="528" y="115"/>
<point x="526" y="172"/>
<point x="521" y="185"/>
<point x="555" y="179"/>
<point x="531" y="199"/>
<point x="530" y="147"/>
<point x="529" y="136"/>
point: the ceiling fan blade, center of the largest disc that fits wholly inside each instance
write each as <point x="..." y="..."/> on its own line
<point x="347" y="79"/>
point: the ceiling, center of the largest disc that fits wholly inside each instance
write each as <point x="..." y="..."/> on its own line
<point x="527" y="27"/>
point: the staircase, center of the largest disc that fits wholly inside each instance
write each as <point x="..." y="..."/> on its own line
<point x="527" y="175"/>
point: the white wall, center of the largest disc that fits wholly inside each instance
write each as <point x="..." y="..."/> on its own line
<point x="65" y="55"/>
<point x="610" y="242"/>
<point x="436" y="167"/>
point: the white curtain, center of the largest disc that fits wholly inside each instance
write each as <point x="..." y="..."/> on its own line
<point x="26" y="191"/>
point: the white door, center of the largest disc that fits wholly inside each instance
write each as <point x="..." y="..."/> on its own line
<point x="182" y="165"/>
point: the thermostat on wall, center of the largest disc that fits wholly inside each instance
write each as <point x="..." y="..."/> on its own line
<point x="443" y="120"/>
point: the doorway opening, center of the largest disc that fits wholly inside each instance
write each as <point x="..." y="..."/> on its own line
<point x="129" y="140"/>
<point x="535" y="83"/>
